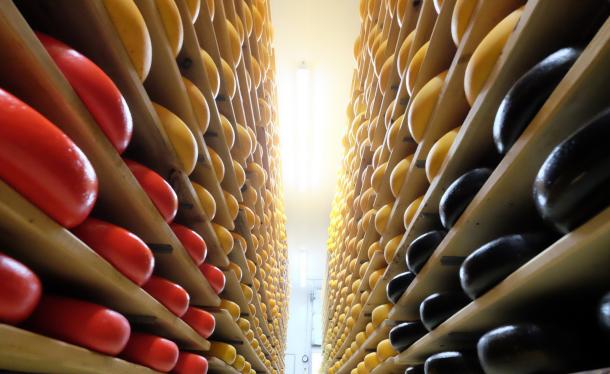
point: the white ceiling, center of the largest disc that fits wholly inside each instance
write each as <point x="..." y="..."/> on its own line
<point x="320" y="33"/>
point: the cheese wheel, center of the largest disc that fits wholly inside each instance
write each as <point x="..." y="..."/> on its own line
<point x="375" y="277"/>
<point x="403" y="54"/>
<point x="360" y="338"/>
<point x="386" y="74"/>
<point x="423" y="105"/>
<point x="247" y="291"/>
<point x="234" y="42"/>
<point x="377" y="177"/>
<point x="371" y="361"/>
<point x="217" y="165"/>
<point x="228" y="78"/>
<point x="380" y="314"/>
<point x="236" y="269"/>
<point x="411" y="211"/>
<point x="180" y="136"/>
<point x="256" y="72"/>
<point x="223" y="351"/>
<point x="224" y="237"/>
<point x="462" y="13"/>
<point x="240" y="174"/>
<point x="206" y="200"/>
<point x="172" y="24"/>
<point x="133" y="33"/>
<point x="382" y="217"/>
<point x="240" y="363"/>
<point x="380" y="57"/>
<point x="392" y="137"/>
<point x="415" y="65"/>
<point x="391" y="247"/>
<point x="232" y="204"/>
<point x="486" y="55"/>
<point x="199" y="105"/>
<point x="211" y="71"/>
<point x="227" y="131"/>
<point x="256" y="175"/>
<point x="243" y="324"/>
<point x="438" y="153"/>
<point x="247" y="18"/>
<point x="361" y="369"/>
<point x="385" y="350"/>
<point x="397" y="178"/>
<point x="231" y="307"/>
<point x="244" y="145"/>
<point x="374" y="248"/>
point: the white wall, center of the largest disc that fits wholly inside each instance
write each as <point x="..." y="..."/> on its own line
<point x="321" y="33"/>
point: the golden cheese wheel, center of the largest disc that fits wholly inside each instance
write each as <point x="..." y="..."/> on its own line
<point x="380" y="57"/>
<point x="227" y="131"/>
<point x="231" y="307"/>
<point x="377" y="177"/>
<point x="228" y="78"/>
<point x="199" y="105"/>
<point x="234" y="42"/>
<point x="486" y="55"/>
<point x="355" y="285"/>
<point x="363" y="9"/>
<point x="438" y="153"/>
<point x="235" y="269"/>
<point x="223" y="351"/>
<point x="423" y="105"/>
<point x="374" y="248"/>
<point x="256" y="174"/>
<point x="371" y="361"/>
<point x="391" y="247"/>
<point x="350" y="322"/>
<point x="224" y="238"/>
<point x="411" y="211"/>
<point x="257" y="76"/>
<point x="240" y="174"/>
<point x="217" y="165"/>
<point x="232" y="205"/>
<point x="363" y="268"/>
<point x="361" y="369"/>
<point x="240" y="362"/>
<point x="369" y="329"/>
<point x="385" y="350"/>
<point x="403" y="54"/>
<point x="244" y="324"/>
<point x="206" y="200"/>
<point x="385" y="75"/>
<point x="133" y="33"/>
<point x="415" y="65"/>
<point x="380" y="314"/>
<point x="258" y="22"/>
<point x="247" y="18"/>
<point x="360" y="338"/>
<point x="237" y="238"/>
<point x="243" y="148"/>
<point x="248" y="293"/>
<point x="462" y="13"/>
<point x="180" y="136"/>
<point x="375" y="277"/>
<point x="172" y="24"/>
<point x="356" y="310"/>
<point x="382" y="217"/>
<point x="399" y="174"/>
<point x="211" y="71"/>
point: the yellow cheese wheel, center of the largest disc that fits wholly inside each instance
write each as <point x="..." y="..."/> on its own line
<point x="361" y="369"/>
<point x="375" y="247"/>
<point x="411" y="210"/>
<point x="397" y="178"/>
<point x="423" y="105"/>
<point x="199" y="105"/>
<point x="251" y="266"/>
<point x="350" y="322"/>
<point x="172" y="24"/>
<point x="180" y="136"/>
<point x="380" y="57"/>
<point x="232" y="204"/>
<point x="243" y="148"/>
<point x="265" y="112"/>
<point x="258" y="22"/>
<point x="386" y="74"/>
<point x="211" y="8"/>
<point x="206" y="200"/>
<point x="392" y="138"/>
<point x="385" y="350"/>
<point x="223" y="351"/>
<point x="228" y="78"/>
<point x="239" y="363"/>
<point x="360" y="338"/>
<point x="247" y="18"/>
<point x="462" y="13"/>
<point x="382" y="217"/>
<point x="486" y="55"/>
<point x="256" y="175"/>
<point x="248" y="294"/>
<point x="375" y="277"/>
<point x="356" y="310"/>
<point x="415" y="65"/>
<point x="380" y="314"/>
<point x="133" y="33"/>
<point x="234" y="42"/>
<point x="247" y="368"/>
<point x="249" y="335"/>
<point x="369" y="329"/>
<point x="211" y="71"/>
<point x="371" y="361"/>
<point x="250" y="217"/>
<point x="438" y="153"/>
<point x="363" y="9"/>
<point x="363" y="268"/>
<point x="235" y="269"/>
<point x="377" y="177"/>
<point x="227" y="131"/>
<point x="224" y="238"/>
<point x="256" y="72"/>
<point x="217" y="165"/>
<point x="244" y="324"/>
<point x="240" y="174"/>
<point x="391" y="247"/>
<point x="403" y="54"/>
<point x="239" y="239"/>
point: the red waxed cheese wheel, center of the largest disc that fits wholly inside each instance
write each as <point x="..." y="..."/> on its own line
<point x="193" y="242"/>
<point x="41" y="163"/>
<point x="125" y="251"/>
<point x="19" y="291"/>
<point x="170" y="294"/>
<point x="190" y="363"/>
<point x="82" y="323"/>
<point x="215" y="277"/>
<point x="157" y="189"/>
<point x="97" y="91"/>
<point x="201" y="321"/>
<point x="151" y="351"/>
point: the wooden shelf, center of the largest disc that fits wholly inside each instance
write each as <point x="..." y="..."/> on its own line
<point x="563" y="268"/>
<point x="121" y="200"/>
<point x="24" y="351"/>
<point x="228" y="331"/>
<point x="389" y="366"/>
<point x="216" y="365"/>
<point x="234" y="293"/>
<point x="370" y="345"/>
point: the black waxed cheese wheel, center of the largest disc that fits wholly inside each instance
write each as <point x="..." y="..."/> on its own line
<point x="419" y="369"/>
<point x="523" y="348"/>
<point x="527" y="96"/>
<point x="573" y="183"/>
<point x="603" y="314"/>
<point x="452" y="363"/>
<point x="398" y="285"/>
<point x="438" y="307"/>
<point x="421" y="249"/>
<point x="494" y="261"/>
<point x="459" y="194"/>
<point x="405" y="334"/>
